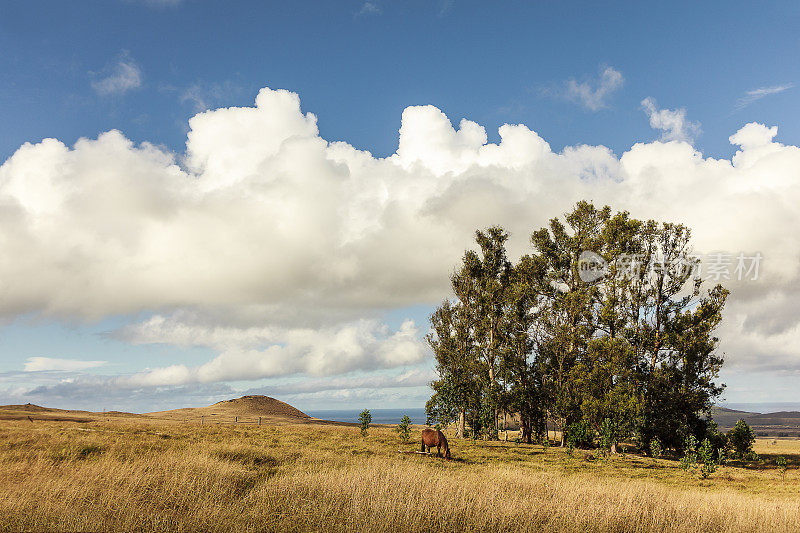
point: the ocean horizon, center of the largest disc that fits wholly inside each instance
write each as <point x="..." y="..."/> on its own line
<point x="379" y="416"/>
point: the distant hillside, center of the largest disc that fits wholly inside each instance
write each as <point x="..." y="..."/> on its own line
<point x="244" y="410"/>
<point x="29" y="407"/>
<point x="245" y="407"/>
<point x="727" y="418"/>
<point x="31" y="411"/>
<point x="780" y="424"/>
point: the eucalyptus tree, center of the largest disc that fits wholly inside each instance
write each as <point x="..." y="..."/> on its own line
<point x="488" y="275"/>
<point x="627" y="352"/>
<point x="670" y="326"/>
<point x="519" y="363"/>
<point x="568" y="322"/>
<point x="452" y="341"/>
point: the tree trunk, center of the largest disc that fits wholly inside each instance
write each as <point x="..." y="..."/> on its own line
<point x="461" y="420"/>
<point x="492" y="430"/>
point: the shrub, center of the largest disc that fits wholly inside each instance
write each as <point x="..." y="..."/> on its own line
<point x="404" y="429"/>
<point x="365" y="418"/>
<point x="708" y="464"/>
<point x="741" y="440"/>
<point x="655" y="448"/>
<point x="579" y="435"/>
<point x="782" y="465"/>
<point x="608" y="438"/>
<point x="717" y="438"/>
<point x="689" y="458"/>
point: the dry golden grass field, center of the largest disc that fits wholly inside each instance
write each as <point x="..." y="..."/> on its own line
<point x="135" y="473"/>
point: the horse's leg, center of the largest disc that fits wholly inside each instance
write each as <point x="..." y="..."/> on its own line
<point x="439" y="450"/>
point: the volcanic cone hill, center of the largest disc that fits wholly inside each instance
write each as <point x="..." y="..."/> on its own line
<point x="246" y="407"/>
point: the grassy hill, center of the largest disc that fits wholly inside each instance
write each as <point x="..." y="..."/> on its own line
<point x="247" y="408"/>
<point x="151" y="474"/>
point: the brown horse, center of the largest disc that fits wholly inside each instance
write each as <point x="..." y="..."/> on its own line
<point x="435" y="438"/>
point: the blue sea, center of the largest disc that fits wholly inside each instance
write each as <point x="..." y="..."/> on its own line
<point x="379" y="416"/>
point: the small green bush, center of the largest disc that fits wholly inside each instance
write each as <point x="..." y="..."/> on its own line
<point x="708" y="462"/>
<point x="741" y="440"/>
<point x="579" y="434"/>
<point x="782" y="465"/>
<point x="404" y="429"/>
<point x="365" y="418"/>
<point x="689" y="458"/>
<point x="655" y="448"/>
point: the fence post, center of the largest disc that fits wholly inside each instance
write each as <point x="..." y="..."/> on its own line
<point x="201" y="420"/>
<point x="259" y="420"/>
<point x="236" y="420"/>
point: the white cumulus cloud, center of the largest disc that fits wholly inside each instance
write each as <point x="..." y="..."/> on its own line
<point x="279" y="249"/>
<point x="673" y="123"/>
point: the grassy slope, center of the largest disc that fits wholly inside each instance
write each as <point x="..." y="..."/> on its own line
<point x="120" y="473"/>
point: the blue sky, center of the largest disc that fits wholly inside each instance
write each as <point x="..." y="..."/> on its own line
<point x="487" y="62"/>
<point x="574" y="72"/>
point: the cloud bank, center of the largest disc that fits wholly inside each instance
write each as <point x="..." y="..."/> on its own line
<point x="279" y="249"/>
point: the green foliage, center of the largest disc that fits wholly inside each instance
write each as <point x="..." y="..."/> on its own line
<point x="631" y="354"/>
<point x="708" y="459"/>
<point x="782" y="465"/>
<point x="741" y="439"/>
<point x="404" y="429"/>
<point x="655" y="448"/>
<point x="718" y="440"/>
<point x="609" y="434"/>
<point x="689" y="458"/>
<point x="365" y="419"/>
<point x="703" y="457"/>
<point x="545" y="442"/>
<point x="579" y="435"/>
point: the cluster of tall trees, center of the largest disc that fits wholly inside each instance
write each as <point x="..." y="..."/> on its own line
<point x="630" y="355"/>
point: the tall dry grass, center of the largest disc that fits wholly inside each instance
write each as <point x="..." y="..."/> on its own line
<point x="167" y="477"/>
